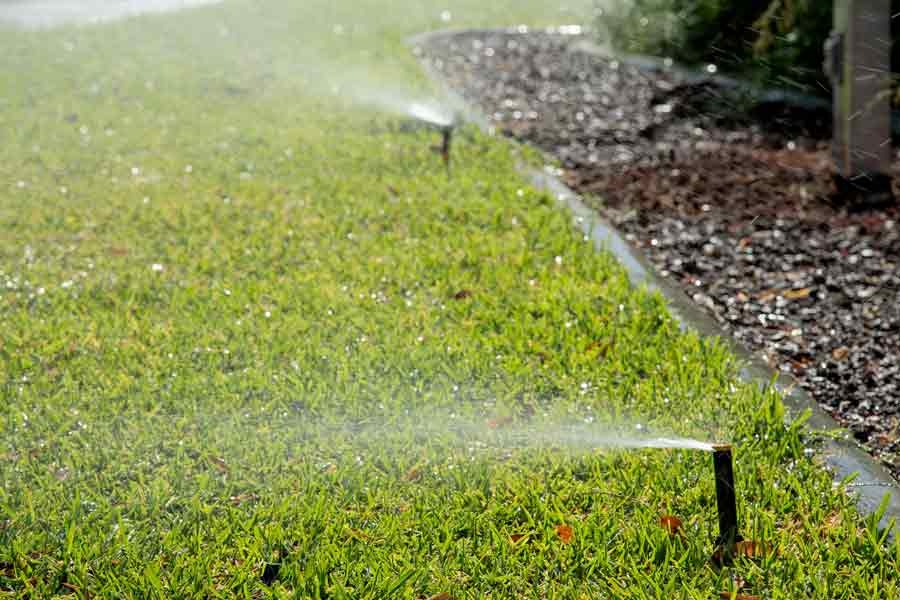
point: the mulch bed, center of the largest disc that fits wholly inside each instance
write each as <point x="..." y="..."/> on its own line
<point x="733" y="201"/>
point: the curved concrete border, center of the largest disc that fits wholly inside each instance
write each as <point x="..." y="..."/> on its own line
<point x="873" y="483"/>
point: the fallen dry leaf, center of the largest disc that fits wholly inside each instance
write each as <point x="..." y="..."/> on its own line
<point x="515" y="538"/>
<point x="751" y="549"/>
<point x="241" y="498"/>
<point x="766" y="295"/>
<point x="840" y="353"/>
<point x="745" y="549"/>
<point x="499" y="422"/>
<point x="671" y="524"/>
<point x="219" y="464"/>
<point x="731" y="596"/>
<point x="565" y="533"/>
<point x="798" y="294"/>
<point x="413" y="474"/>
<point x="833" y="522"/>
<point x="442" y="596"/>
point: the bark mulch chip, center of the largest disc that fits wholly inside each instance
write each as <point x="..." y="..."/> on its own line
<point x="734" y="200"/>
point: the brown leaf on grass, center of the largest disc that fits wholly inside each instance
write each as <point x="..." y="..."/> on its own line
<point x="733" y="596"/>
<point x="219" y="463"/>
<point x="565" y="533"/>
<point x="746" y="549"/>
<point x="442" y="596"/>
<point x="833" y="522"/>
<point x="798" y="294"/>
<point x="671" y="524"/>
<point x="499" y="422"/>
<point x="118" y="251"/>
<point x="462" y="294"/>
<point x="515" y="538"/>
<point x="751" y="549"/>
<point x="242" y="498"/>
<point x="413" y="474"/>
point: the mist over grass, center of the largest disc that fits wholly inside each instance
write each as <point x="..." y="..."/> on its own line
<point x="228" y="302"/>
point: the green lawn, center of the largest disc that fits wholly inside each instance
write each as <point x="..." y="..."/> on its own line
<point x="243" y="323"/>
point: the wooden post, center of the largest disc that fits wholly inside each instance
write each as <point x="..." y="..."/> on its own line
<point x="858" y="62"/>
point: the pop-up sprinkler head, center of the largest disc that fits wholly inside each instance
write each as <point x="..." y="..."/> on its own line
<point x="725" y="497"/>
<point x="446" y="139"/>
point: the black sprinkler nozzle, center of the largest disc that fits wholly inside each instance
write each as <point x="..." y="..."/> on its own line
<point x="726" y="499"/>
<point x="446" y="139"/>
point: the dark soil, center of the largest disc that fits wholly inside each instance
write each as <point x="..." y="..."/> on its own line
<point x="731" y="199"/>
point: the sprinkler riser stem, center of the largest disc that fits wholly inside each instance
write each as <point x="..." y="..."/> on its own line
<point x="446" y="139"/>
<point x="726" y="499"/>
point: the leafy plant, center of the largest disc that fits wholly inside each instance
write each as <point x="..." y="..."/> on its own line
<point x="778" y="42"/>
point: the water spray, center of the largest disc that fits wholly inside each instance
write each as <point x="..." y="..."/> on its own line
<point x="439" y="117"/>
<point x="726" y="500"/>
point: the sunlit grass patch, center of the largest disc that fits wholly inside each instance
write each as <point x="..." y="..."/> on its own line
<point x="263" y="346"/>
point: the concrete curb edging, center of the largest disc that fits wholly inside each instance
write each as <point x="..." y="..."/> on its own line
<point x="842" y="456"/>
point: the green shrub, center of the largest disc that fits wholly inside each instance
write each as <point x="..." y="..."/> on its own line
<point x="778" y="42"/>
